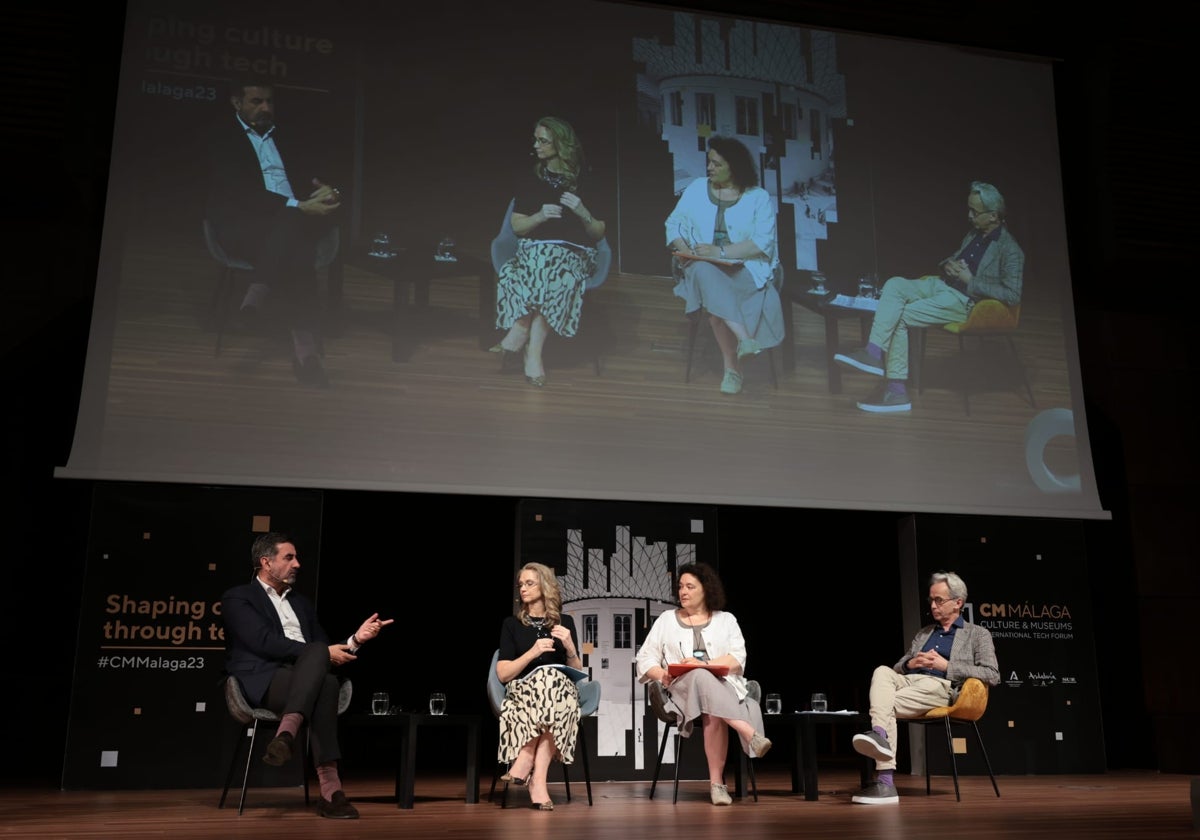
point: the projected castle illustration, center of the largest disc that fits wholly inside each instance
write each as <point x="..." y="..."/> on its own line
<point x="775" y="88"/>
<point x="614" y="598"/>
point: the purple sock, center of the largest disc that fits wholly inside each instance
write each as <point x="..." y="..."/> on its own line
<point x="874" y="351"/>
<point x="885" y="778"/>
<point x="896" y="386"/>
<point x="880" y="731"/>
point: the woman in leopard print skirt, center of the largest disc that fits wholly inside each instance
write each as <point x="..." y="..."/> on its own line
<point x="539" y="719"/>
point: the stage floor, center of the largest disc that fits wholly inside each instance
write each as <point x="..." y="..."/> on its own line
<point x="1135" y="805"/>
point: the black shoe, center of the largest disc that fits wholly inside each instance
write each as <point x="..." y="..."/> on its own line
<point x="337" y="807"/>
<point x="310" y="372"/>
<point x="279" y="751"/>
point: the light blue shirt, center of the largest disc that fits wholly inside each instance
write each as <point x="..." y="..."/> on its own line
<point x="274" y="175"/>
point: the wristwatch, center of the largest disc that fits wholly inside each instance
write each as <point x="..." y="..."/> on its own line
<point x="722" y="252"/>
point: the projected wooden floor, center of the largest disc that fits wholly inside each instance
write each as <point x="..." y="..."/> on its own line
<point x="381" y="418"/>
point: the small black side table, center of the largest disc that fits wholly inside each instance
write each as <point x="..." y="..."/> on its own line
<point x="804" y="766"/>
<point x="419" y="268"/>
<point x="407" y="723"/>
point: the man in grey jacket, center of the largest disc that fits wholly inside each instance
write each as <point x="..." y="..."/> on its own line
<point x="942" y="655"/>
<point x="988" y="265"/>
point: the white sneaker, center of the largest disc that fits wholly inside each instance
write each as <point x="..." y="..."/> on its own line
<point x="720" y="795"/>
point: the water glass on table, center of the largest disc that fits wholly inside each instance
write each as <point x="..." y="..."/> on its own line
<point x="437" y="703"/>
<point x="381" y="703"/>
<point x="818" y="703"/>
<point x="774" y="704"/>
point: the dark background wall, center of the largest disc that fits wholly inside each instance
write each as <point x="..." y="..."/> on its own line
<point x="1127" y="167"/>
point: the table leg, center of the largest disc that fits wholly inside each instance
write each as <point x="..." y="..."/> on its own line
<point x="797" y="760"/>
<point x="487" y="309"/>
<point x="865" y="765"/>
<point x="831" y="347"/>
<point x="472" y="763"/>
<point x="808" y="763"/>
<point x="407" y="770"/>
<point x="398" y="304"/>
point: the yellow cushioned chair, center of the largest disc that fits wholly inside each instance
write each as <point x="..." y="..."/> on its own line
<point x="987" y="319"/>
<point x="968" y="707"/>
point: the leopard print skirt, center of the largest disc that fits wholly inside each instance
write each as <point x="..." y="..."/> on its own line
<point x="544" y="701"/>
<point x="544" y="277"/>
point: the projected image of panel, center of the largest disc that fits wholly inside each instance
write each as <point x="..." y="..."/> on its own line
<point x="852" y="161"/>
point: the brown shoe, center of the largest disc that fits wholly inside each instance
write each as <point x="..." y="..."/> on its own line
<point x="337" y="808"/>
<point x="279" y="751"/>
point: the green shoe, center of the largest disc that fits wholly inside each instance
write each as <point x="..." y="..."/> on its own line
<point x="732" y="383"/>
<point x="748" y="347"/>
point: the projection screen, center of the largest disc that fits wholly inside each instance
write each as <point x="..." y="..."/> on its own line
<point x="423" y="119"/>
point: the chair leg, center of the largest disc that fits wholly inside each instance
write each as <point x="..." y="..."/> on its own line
<point x="567" y="780"/>
<point x="219" y="310"/>
<point x="305" y="746"/>
<point x="495" y="778"/>
<point x="1012" y="345"/>
<point x="771" y="362"/>
<point x="675" y="798"/>
<point x="583" y="751"/>
<point x="662" y="749"/>
<point x="246" y="775"/>
<point x="986" y="760"/>
<point x="233" y="761"/>
<point x="750" y="774"/>
<point x="953" y="759"/>
<point x="693" y="328"/>
<point x="928" y="775"/>
<point x="916" y="336"/>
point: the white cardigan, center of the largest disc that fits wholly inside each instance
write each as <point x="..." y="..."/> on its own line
<point x="668" y="642"/>
<point x="752" y="217"/>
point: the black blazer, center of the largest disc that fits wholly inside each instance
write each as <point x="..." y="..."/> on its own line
<point x="236" y="194"/>
<point x="254" y="642"/>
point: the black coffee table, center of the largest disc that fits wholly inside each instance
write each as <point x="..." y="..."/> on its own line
<point x="418" y="268"/>
<point x="823" y="306"/>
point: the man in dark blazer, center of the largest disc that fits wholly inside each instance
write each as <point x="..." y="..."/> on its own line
<point x="270" y="210"/>
<point x="278" y="651"/>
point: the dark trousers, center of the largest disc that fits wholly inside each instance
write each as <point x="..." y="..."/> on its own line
<point x="282" y="248"/>
<point x="306" y="686"/>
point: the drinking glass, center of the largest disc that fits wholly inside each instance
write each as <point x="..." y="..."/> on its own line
<point x="774" y="704"/>
<point x="818" y="283"/>
<point x="381" y="245"/>
<point x="819" y="703"/>
<point x="445" y="250"/>
<point x="437" y="703"/>
<point x="381" y="703"/>
<point x="866" y="286"/>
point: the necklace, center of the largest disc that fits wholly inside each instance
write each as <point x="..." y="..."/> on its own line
<point x="688" y="616"/>
<point x="557" y="180"/>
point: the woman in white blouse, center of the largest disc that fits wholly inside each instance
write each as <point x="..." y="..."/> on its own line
<point x="701" y="632"/>
<point x="722" y="231"/>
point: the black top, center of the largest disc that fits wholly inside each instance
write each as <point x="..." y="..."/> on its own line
<point x="516" y="638"/>
<point x="533" y="192"/>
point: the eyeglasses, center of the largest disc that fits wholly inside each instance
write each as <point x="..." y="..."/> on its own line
<point x="938" y="601"/>
<point x="974" y="214"/>
<point x="542" y="141"/>
<point x="525" y="584"/>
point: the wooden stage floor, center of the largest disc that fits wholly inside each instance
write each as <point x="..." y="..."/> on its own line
<point x="1127" y="805"/>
